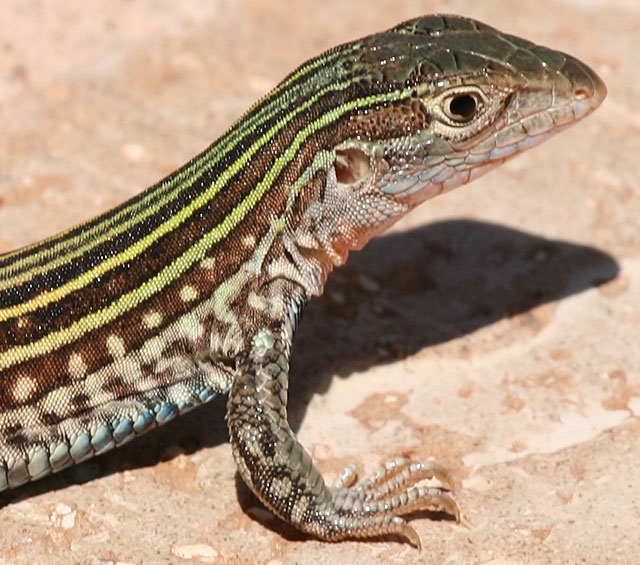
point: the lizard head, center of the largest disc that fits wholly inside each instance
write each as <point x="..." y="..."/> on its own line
<point x="434" y="103"/>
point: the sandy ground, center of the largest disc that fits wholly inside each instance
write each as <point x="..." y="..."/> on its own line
<point x="495" y="328"/>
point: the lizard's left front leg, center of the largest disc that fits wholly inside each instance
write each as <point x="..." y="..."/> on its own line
<point x="281" y="473"/>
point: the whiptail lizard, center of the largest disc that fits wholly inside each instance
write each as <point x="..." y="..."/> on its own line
<point x="194" y="287"/>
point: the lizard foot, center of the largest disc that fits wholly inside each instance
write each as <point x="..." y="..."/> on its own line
<point x="374" y="507"/>
<point x="281" y="472"/>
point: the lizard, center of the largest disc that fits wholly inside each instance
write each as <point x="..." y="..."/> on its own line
<point x="194" y="288"/>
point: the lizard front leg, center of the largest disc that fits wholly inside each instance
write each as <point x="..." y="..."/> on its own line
<point x="281" y="473"/>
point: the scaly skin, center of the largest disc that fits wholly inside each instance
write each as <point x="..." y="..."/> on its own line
<point x="194" y="287"/>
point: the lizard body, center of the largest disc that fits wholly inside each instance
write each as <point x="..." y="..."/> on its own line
<point x="194" y="287"/>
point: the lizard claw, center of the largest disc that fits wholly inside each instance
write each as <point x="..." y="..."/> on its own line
<point x="375" y="506"/>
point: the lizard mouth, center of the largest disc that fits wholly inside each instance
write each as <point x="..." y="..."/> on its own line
<point x="459" y="171"/>
<point x="495" y="158"/>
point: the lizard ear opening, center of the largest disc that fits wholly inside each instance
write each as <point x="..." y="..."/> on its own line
<point x="352" y="165"/>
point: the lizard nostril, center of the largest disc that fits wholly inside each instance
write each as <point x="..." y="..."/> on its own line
<point x="581" y="93"/>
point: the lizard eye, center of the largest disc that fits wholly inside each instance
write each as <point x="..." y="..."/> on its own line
<point x="461" y="107"/>
<point x="462" y="110"/>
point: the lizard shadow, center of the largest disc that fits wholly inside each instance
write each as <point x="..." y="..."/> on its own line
<point x="402" y="293"/>
<point x="407" y="291"/>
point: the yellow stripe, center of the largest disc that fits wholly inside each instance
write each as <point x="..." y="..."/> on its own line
<point x="139" y="209"/>
<point x="155" y="284"/>
<point x="135" y="249"/>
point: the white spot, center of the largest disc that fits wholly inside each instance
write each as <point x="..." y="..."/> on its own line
<point x="281" y="488"/>
<point x="208" y="263"/>
<point x="77" y="366"/>
<point x="299" y="510"/>
<point x="24" y="388"/>
<point x="115" y="346"/>
<point x="57" y="401"/>
<point x="188" y="293"/>
<point x="152" y="319"/>
<point x="257" y="302"/>
<point x="249" y="241"/>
